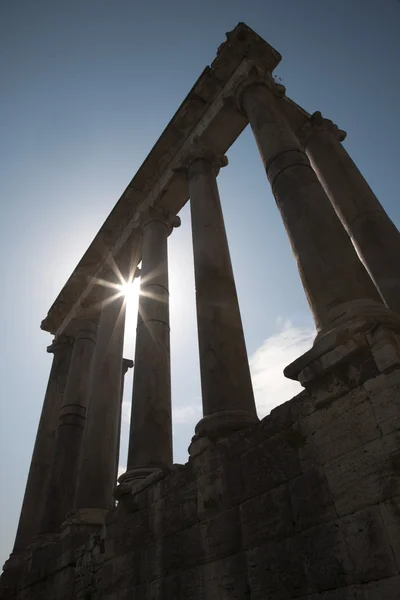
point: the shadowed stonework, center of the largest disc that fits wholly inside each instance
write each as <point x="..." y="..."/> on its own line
<point x="304" y="504"/>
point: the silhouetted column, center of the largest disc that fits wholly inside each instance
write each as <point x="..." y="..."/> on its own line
<point x="150" y="440"/>
<point x="63" y="478"/>
<point x="44" y="449"/>
<point x="101" y="438"/>
<point x="227" y="393"/>
<point x="373" y="233"/>
<point x="337" y="285"/>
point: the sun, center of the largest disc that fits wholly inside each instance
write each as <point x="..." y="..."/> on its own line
<point x="130" y="289"/>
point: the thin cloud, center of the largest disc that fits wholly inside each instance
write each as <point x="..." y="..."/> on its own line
<point x="271" y="387"/>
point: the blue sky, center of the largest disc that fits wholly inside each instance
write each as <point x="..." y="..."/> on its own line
<point x="87" y="88"/>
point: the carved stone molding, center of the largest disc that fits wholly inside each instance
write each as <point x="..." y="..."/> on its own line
<point x="318" y="124"/>
<point x="201" y="151"/>
<point x="256" y="76"/>
<point x="158" y="213"/>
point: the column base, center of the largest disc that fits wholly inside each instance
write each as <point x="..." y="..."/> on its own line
<point x="90" y="517"/>
<point x="135" y="480"/>
<point x="219" y="425"/>
<point x="355" y="350"/>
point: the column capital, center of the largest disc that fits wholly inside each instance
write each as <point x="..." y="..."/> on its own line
<point x="199" y="151"/>
<point x="158" y="213"/>
<point x="255" y="76"/>
<point x="318" y="124"/>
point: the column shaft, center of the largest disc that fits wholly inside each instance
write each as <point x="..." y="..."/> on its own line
<point x="150" y="440"/>
<point x="45" y="443"/>
<point x="228" y="400"/>
<point x="63" y="478"/>
<point x="334" y="279"/>
<point x="373" y="233"/>
<point x="96" y="477"/>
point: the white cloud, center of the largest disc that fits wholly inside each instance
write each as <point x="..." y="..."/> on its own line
<point x="271" y="387"/>
<point x="189" y="413"/>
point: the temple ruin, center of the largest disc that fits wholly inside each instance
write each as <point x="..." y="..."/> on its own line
<point x="303" y="504"/>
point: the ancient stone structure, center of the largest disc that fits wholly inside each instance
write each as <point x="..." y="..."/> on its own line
<point x="304" y="504"/>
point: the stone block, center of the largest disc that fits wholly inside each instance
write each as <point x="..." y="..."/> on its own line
<point x="267" y="517"/>
<point x="210" y="495"/>
<point x="351" y="592"/>
<point x="204" y="542"/>
<point x="367" y="475"/>
<point x="370" y="554"/>
<point x="311" y="499"/>
<point x="179" y="510"/>
<point x="221" y="536"/>
<point x="390" y="512"/>
<point x="268" y="465"/>
<point x="384" y="394"/>
<point x="226" y="579"/>
<point x="385" y="589"/>
<point x="322" y="552"/>
<point x="341" y="426"/>
<point x="276" y="571"/>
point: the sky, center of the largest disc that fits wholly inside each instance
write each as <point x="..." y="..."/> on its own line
<point x="87" y="88"/>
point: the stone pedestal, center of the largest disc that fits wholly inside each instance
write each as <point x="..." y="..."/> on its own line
<point x="373" y="233"/>
<point x="337" y="285"/>
<point x="44" y="449"/>
<point x="227" y="393"/>
<point x="96" y="478"/>
<point x="64" y="472"/>
<point x="150" y="441"/>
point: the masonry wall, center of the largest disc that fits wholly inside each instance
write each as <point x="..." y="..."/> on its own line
<point x="304" y="505"/>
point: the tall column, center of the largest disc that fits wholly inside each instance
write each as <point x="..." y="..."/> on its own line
<point x="150" y="440"/>
<point x="227" y="393"/>
<point x="101" y="440"/>
<point x="45" y="443"/>
<point x="373" y="233"/>
<point x="63" y="477"/>
<point x="336" y="283"/>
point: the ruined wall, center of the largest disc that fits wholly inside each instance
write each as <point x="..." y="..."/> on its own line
<point x="304" y="505"/>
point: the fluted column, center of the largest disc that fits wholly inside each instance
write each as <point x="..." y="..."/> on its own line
<point x="373" y="233"/>
<point x="337" y="285"/>
<point x="45" y="443"/>
<point x="63" y="477"/>
<point x="96" y="476"/>
<point x="150" y="439"/>
<point x="227" y="393"/>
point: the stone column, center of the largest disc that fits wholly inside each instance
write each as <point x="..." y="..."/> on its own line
<point x="373" y="233"/>
<point x="63" y="477"/>
<point x="337" y="285"/>
<point x="227" y="393"/>
<point x="150" y="440"/>
<point x="44" y="449"/>
<point x="101" y="438"/>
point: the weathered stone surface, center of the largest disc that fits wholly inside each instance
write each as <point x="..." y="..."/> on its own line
<point x="384" y="394"/>
<point x="268" y="465"/>
<point x="339" y="426"/>
<point x="267" y="516"/>
<point x="368" y="547"/>
<point x="385" y="589"/>
<point x="311" y="499"/>
<point x="390" y="512"/>
<point x="366" y="475"/>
